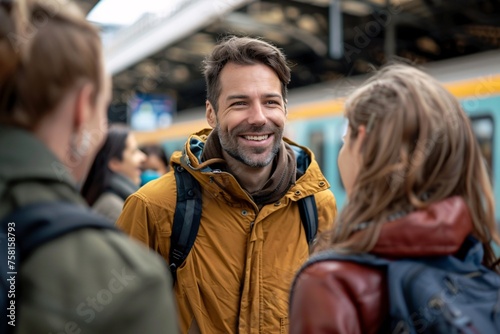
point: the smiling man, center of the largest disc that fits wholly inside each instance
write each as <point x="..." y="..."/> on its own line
<point x="251" y="240"/>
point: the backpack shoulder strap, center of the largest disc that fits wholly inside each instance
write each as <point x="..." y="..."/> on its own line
<point x="331" y="255"/>
<point x="29" y="227"/>
<point x="188" y="215"/>
<point x="35" y="224"/>
<point x="186" y="218"/>
<point x="309" y="217"/>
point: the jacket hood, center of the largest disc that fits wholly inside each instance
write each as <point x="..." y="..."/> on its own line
<point x="438" y="230"/>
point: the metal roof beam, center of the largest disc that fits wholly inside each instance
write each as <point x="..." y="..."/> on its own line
<point x="155" y="32"/>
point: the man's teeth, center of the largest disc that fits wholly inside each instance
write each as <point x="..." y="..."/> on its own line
<point x="257" y="138"/>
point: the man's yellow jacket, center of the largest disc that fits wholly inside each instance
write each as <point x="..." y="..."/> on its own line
<point x="237" y="276"/>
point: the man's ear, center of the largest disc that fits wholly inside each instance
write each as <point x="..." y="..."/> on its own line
<point x="210" y="114"/>
<point x="83" y="105"/>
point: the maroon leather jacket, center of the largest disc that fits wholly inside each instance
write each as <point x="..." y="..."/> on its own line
<point x="348" y="298"/>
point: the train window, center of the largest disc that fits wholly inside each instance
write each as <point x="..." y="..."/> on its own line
<point x="483" y="130"/>
<point x="317" y="145"/>
<point x="338" y="170"/>
<point x="343" y="133"/>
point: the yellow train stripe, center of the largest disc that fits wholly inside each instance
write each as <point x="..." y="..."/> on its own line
<point x="473" y="88"/>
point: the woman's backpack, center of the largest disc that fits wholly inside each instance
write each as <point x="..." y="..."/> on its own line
<point x="437" y="294"/>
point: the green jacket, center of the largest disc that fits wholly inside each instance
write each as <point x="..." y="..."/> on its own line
<point x="237" y="276"/>
<point x="90" y="280"/>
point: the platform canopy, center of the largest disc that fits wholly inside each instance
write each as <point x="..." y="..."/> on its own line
<point x="323" y="39"/>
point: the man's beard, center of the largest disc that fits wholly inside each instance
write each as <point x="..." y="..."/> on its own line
<point x="229" y="144"/>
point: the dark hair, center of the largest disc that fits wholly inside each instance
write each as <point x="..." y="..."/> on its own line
<point x="99" y="175"/>
<point x="155" y="149"/>
<point x="243" y="51"/>
<point x="46" y="49"/>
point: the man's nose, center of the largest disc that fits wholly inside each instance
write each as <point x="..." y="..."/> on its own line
<point x="257" y="115"/>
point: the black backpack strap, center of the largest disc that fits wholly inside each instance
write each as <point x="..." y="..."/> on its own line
<point x="33" y="225"/>
<point x="309" y="217"/>
<point x="186" y="218"/>
<point x="41" y="222"/>
<point x="27" y="228"/>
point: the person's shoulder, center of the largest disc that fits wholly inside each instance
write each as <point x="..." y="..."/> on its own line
<point x="353" y="276"/>
<point x="344" y="290"/>
<point x="331" y="268"/>
<point x="325" y="195"/>
<point x="327" y="209"/>
<point x="109" y="205"/>
<point x="325" y="199"/>
<point x="108" y="198"/>
<point x="97" y="280"/>
<point x="93" y="257"/>
<point x="158" y="191"/>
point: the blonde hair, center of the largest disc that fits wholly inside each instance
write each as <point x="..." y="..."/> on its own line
<point x="419" y="149"/>
<point x="47" y="48"/>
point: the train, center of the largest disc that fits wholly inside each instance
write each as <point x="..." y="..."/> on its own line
<point x="316" y="119"/>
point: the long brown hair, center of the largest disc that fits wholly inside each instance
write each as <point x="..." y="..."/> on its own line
<point x="419" y="149"/>
<point x="46" y="49"/>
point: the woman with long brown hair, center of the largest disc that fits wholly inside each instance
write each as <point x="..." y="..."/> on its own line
<point x="417" y="186"/>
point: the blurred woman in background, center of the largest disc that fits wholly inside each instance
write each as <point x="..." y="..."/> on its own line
<point x="156" y="163"/>
<point x="115" y="173"/>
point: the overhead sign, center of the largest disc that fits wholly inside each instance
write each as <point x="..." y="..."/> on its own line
<point x="148" y="112"/>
